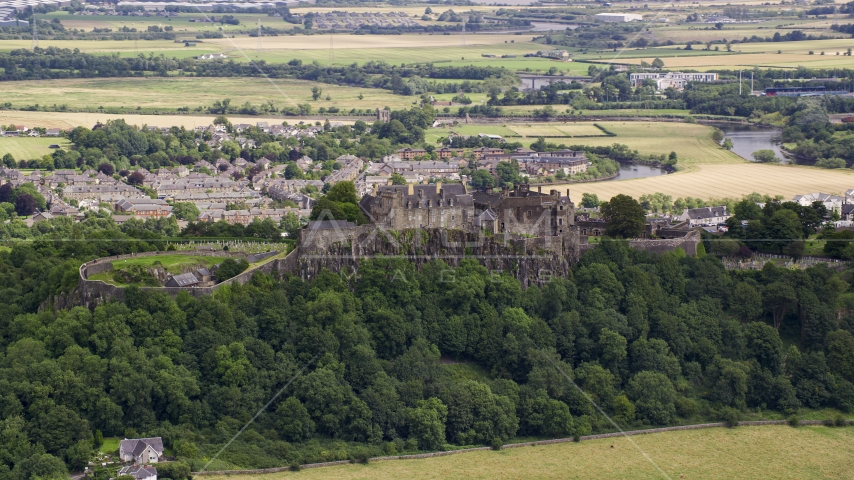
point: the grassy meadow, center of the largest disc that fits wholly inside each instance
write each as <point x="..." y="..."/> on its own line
<point x="174" y="92"/>
<point x="173" y="264"/>
<point x="28" y="147"/>
<point x="745" y="453"/>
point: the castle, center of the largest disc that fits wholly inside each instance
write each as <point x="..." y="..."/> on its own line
<point x="519" y="211"/>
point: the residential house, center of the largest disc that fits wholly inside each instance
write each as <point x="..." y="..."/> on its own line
<point x="705" y="216"/>
<point x="183" y="280"/>
<point x="141" y="450"/>
<point x="138" y="472"/>
<point x="410" y="153"/>
<point x="831" y="202"/>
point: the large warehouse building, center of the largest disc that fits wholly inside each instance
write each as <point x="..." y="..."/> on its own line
<point x="619" y="17"/>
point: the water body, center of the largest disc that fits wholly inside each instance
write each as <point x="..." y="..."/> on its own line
<point x="629" y="171"/>
<point x="747" y="139"/>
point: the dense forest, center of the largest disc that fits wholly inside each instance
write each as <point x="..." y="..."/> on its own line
<point x="402" y="360"/>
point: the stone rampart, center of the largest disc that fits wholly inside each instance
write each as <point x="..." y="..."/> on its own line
<point x="94" y="292"/>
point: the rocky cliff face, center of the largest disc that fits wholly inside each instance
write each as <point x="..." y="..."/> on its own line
<point x="532" y="260"/>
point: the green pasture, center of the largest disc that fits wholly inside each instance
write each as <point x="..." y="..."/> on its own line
<point x="28" y="148"/>
<point x="174" y="92"/>
<point x="174" y="264"/>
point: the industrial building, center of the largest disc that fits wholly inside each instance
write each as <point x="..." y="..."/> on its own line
<point x="677" y="80"/>
<point x="619" y="17"/>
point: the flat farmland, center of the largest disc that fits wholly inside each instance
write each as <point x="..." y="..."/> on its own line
<point x="68" y="120"/>
<point x="167" y="47"/>
<point x="717" y="181"/>
<point x="744" y="453"/>
<point x="692" y="143"/>
<point x="173" y="92"/>
<point x="180" y="23"/>
<point x="28" y="148"/>
<point x="557" y="130"/>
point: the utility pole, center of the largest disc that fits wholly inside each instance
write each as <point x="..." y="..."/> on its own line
<point x="35" y="33"/>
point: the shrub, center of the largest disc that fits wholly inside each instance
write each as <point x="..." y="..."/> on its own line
<point x="794" y="421"/>
<point x="295" y="467"/>
<point x="497" y="443"/>
<point x="730" y="416"/>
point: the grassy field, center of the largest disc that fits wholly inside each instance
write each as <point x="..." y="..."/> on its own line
<point x="173" y="92"/>
<point x="173" y="264"/>
<point x="744" y="453"/>
<point x="27" y="148"/>
<point x="717" y="181"/>
<point x="67" y="120"/>
<point x="556" y="129"/>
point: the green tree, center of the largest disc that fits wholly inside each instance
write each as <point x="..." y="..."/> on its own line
<point x="658" y="63"/>
<point x="589" y="200"/>
<point x="839" y="346"/>
<point x="482" y="179"/>
<point x="653" y="395"/>
<point x="763" y="344"/>
<point x="765" y="156"/>
<point x="397" y="179"/>
<point x="316" y="92"/>
<point x="624" y="410"/>
<point x="230" y="268"/>
<point x="427" y="423"/>
<point x="293" y="422"/>
<point x="783" y="228"/>
<point x="727" y="143"/>
<point x="625" y="217"/>
<point x="746" y="302"/>
<point x="186" y="211"/>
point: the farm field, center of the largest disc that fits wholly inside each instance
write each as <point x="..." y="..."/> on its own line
<point x="27" y="148"/>
<point x="67" y="120"/>
<point x="174" y="92"/>
<point x="692" y="142"/>
<point x="557" y="130"/>
<point x="181" y="23"/>
<point x="744" y="453"/>
<point x="718" y="181"/>
<point x="748" y="55"/>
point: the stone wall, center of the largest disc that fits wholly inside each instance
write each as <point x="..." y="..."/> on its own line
<point x="532" y="260"/>
<point x="514" y="445"/>
<point x="92" y="293"/>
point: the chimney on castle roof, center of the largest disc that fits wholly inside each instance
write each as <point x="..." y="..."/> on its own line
<point x="539" y="189"/>
<point x="438" y="187"/>
<point x="567" y="193"/>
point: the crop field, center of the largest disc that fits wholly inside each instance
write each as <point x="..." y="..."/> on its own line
<point x="181" y="23"/>
<point x="718" y="181"/>
<point x="173" y="92"/>
<point x="67" y="120"/>
<point x="744" y="453"/>
<point x="557" y="129"/>
<point x="27" y="148"/>
<point x="692" y="143"/>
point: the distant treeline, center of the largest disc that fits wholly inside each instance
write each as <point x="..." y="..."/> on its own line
<point x="54" y="63"/>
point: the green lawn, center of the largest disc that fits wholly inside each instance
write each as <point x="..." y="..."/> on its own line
<point x="28" y="148"/>
<point x="111" y="444"/>
<point x="131" y="268"/>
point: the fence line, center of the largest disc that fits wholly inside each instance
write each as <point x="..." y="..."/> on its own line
<point x="513" y="445"/>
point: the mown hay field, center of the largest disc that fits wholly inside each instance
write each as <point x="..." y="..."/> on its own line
<point x="68" y="120"/>
<point x="692" y="142"/>
<point x="28" y="148"/>
<point x="557" y="129"/>
<point x="717" y="181"/>
<point x="778" y="452"/>
<point x="174" y="92"/>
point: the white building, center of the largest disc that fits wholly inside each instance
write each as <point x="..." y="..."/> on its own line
<point x="619" y="17"/>
<point x="141" y="450"/>
<point x="704" y="216"/>
<point x="677" y="80"/>
<point x="831" y="202"/>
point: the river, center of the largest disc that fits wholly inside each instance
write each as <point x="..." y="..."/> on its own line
<point x="630" y="170"/>
<point x="747" y="139"/>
